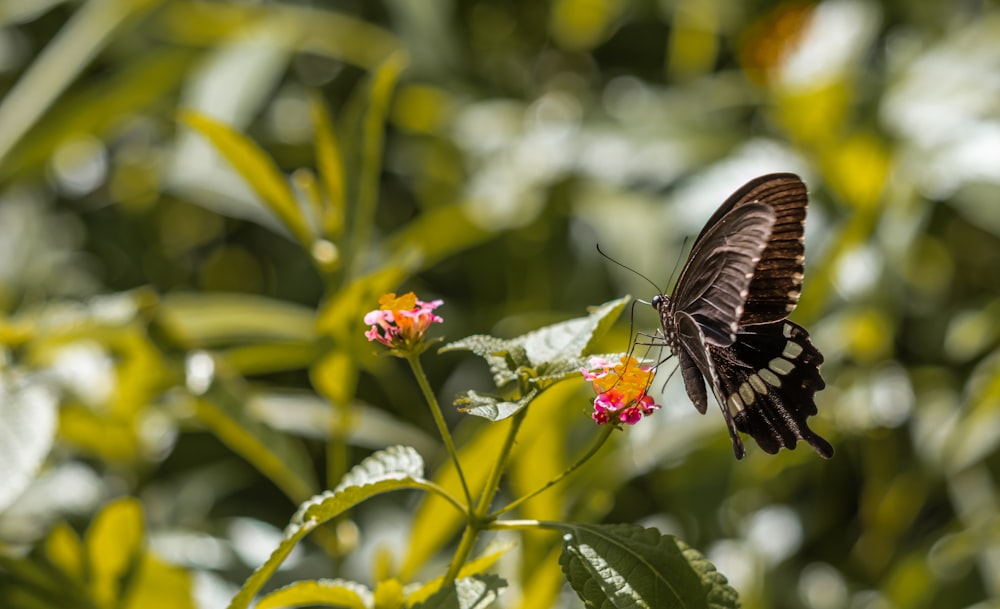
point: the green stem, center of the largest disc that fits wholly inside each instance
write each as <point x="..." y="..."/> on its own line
<point x="479" y="520"/>
<point x="608" y="429"/>
<point x="425" y="387"/>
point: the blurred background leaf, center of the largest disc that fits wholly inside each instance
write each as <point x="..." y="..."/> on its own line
<point x="476" y="151"/>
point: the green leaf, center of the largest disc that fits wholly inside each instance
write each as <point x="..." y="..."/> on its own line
<point x="476" y="592"/>
<point x="27" y="429"/>
<point x="720" y="594"/>
<point x="491" y="407"/>
<point x="475" y="567"/>
<point x="331" y="592"/>
<point x="571" y="339"/>
<point x="213" y="320"/>
<point x="503" y="356"/>
<point x="257" y="168"/>
<point x="544" y="356"/>
<point x="626" y="566"/>
<point x="283" y="459"/>
<point x="93" y="27"/>
<point x="330" y="165"/>
<point x="372" y="143"/>
<point x="257" y="579"/>
<point x="438" y="233"/>
<point x="394" y="468"/>
<point x="114" y="543"/>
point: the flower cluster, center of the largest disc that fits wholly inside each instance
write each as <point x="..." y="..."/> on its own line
<point x="621" y="390"/>
<point x="401" y="322"/>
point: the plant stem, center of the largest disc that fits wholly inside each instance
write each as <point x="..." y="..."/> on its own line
<point x="606" y="433"/>
<point x="479" y="520"/>
<point x="425" y="387"/>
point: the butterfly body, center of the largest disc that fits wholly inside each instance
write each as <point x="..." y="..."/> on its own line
<point x="725" y="321"/>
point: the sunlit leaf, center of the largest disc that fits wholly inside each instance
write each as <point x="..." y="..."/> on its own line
<point x="629" y="566"/>
<point x="476" y="592"/>
<point x="490" y="407"/>
<point x="546" y="355"/>
<point x="279" y="457"/>
<point x="64" y="548"/>
<point x="362" y="217"/>
<point x="330" y="165"/>
<point x="435" y="522"/>
<point x="210" y="320"/>
<point x="395" y="468"/>
<point x="474" y="567"/>
<point x="27" y="428"/>
<point x="333" y="592"/>
<point x="114" y="545"/>
<point x="438" y="233"/>
<point x="257" y="168"/>
<point x="388" y="594"/>
<point x="159" y="585"/>
<point x="66" y="56"/>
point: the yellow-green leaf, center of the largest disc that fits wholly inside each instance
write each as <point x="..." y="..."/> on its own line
<point x="64" y="549"/>
<point x="330" y="165"/>
<point x="114" y="544"/>
<point x="330" y="592"/>
<point x="159" y="585"/>
<point x="257" y="168"/>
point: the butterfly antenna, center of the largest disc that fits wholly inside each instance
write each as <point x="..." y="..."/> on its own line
<point x="673" y="271"/>
<point x="628" y="268"/>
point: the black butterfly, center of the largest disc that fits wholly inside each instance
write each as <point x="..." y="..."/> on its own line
<point x="726" y="318"/>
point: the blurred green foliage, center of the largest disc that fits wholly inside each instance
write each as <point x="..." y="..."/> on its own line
<point x="199" y="201"/>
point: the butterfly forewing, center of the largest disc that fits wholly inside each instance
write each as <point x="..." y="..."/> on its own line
<point x="713" y="286"/>
<point x="777" y="280"/>
<point x="725" y="318"/>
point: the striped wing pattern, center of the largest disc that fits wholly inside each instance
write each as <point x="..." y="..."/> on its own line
<point x="726" y="319"/>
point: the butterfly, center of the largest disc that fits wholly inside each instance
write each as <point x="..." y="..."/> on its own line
<point x="726" y="319"/>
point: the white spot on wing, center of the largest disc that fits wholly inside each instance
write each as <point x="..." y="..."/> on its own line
<point x="792" y="350"/>
<point x="781" y="365"/>
<point x="747" y="393"/>
<point x="735" y="403"/>
<point x="757" y="384"/>
<point x="771" y="378"/>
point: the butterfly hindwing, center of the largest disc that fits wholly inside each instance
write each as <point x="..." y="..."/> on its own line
<point x="768" y="377"/>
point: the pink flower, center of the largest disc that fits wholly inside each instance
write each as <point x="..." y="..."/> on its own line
<point x="401" y="322"/>
<point x="621" y="390"/>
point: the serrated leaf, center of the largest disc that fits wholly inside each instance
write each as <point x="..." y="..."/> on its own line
<point x="335" y="592"/>
<point x="257" y="168"/>
<point x="491" y="407"/>
<point x="469" y="569"/>
<point x="397" y="467"/>
<point x="625" y="566"/>
<point x="257" y="579"/>
<point x="570" y="339"/>
<point x="476" y="592"/>
<point x="546" y="355"/>
<point x="503" y="356"/>
<point x="720" y="594"/>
